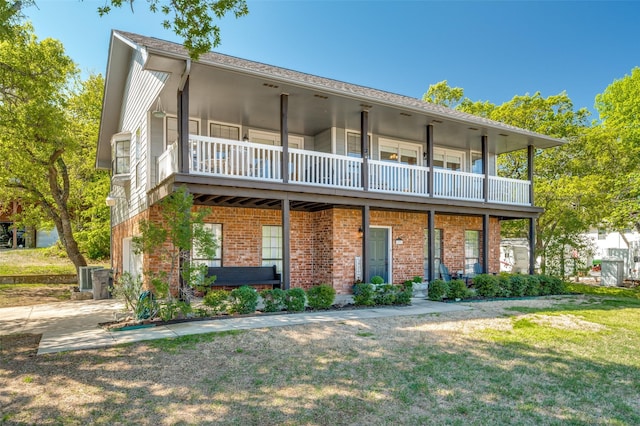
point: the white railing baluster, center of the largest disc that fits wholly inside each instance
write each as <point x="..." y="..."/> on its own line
<point x="246" y="160"/>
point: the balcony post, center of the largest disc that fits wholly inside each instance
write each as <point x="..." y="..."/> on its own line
<point x="485" y="243"/>
<point x="286" y="245"/>
<point x="530" y="156"/>
<point x="429" y="157"/>
<point x="183" y="128"/>
<point x="431" y="243"/>
<point x="364" y="148"/>
<point x="532" y="246"/>
<point x="284" y="135"/>
<point x="485" y="167"/>
<point x="365" y="243"/>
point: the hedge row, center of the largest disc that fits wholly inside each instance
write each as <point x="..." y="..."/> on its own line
<point x="503" y="285"/>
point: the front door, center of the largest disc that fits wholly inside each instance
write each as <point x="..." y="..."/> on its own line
<point x="379" y="253"/>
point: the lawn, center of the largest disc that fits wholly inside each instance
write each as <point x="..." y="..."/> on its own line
<point x="33" y="262"/>
<point x="554" y="360"/>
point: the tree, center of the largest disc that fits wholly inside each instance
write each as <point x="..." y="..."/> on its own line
<point x="46" y="134"/>
<point x="193" y="20"/>
<point x="615" y="147"/>
<point x="174" y="236"/>
<point x="564" y="185"/>
<point x="443" y="94"/>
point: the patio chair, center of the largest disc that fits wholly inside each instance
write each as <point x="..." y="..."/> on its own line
<point x="444" y="273"/>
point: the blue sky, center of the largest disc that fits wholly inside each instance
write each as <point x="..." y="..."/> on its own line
<point x="494" y="50"/>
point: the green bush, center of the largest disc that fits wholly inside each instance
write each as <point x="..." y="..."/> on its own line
<point x="417" y="279"/>
<point x="551" y="285"/>
<point x="519" y="284"/>
<point x="377" y="279"/>
<point x="384" y="294"/>
<point x="504" y="285"/>
<point x="437" y="290"/>
<point x="273" y="299"/>
<point x="457" y="290"/>
<point x="363" y="294"/>
<point x="294" y="300"/>
<point x="486" y="285"/>
<point x="533" y="286"/>
<point x="172" y="309"/>
<point x="404" y="293"/>
<point x="243" y="300"/>
<point x="321" y="296"/>
<point x="217" y="300"/>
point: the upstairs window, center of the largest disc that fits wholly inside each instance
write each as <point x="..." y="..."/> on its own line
<point x="120" y="154"/>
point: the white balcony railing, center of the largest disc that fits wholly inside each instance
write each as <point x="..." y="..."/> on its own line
<point x="397" y="178"/>
<point x="317" y="168"/>
<point x="246" y="160"/>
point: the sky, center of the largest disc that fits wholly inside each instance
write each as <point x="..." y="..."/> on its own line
<point x="494" y="50"/>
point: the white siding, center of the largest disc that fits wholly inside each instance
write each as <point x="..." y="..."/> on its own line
<point x="141" y="91"/>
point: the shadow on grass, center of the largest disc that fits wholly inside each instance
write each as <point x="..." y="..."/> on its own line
<point x="383" y="371"/>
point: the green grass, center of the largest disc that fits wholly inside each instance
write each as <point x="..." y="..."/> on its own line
<point x="572" y="363"/>
<point x="183" y="343"/>
<point x="33" y="262"/>
<point x="632" y="293"/>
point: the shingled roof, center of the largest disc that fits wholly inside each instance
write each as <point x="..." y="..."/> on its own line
<point x="170" y="49"/>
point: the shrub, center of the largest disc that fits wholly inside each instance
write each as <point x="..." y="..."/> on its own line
<point x="273" y="300"/>
<point x="171" y="309"/>
<point x="377" y="279"/>
<point x="486" y="285"/>
<point x="437" y="290"/>
<point x="321" y="296"/>
<point x="294" y="299"/>
<point x="243" y="300"/>
<point x="384" y="294"/>
<point x="551" y="285"/>
<point x="217" y="300"/>
<point x="404" y="293"/>
<point x="518" y="285"/>
<point x="417" y="279"/>
<point x="457" y="290"/>
<point x="504" y="285"/>
<point x="363" y="294"/>
<point x="533" y="286"/>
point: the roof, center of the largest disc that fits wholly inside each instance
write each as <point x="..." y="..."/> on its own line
<point x="162" y="48"/>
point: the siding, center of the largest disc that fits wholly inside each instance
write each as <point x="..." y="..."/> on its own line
<point x="141" y="91"/>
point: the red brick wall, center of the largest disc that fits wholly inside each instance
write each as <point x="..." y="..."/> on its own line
<point x="324" y="244"/>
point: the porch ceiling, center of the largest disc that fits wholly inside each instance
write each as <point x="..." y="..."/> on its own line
<point x="254" y="101"/>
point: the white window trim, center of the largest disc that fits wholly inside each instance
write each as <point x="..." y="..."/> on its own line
<point x="222" y="123"/>
<point x="164" y="128"/>
<point x="276" y="137"/>
<point x="465" y="167"/>
<point x="401" y="144"/>
<point x="357" y="132"/>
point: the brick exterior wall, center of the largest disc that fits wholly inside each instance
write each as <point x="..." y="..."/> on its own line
<point x="324" y="244"/>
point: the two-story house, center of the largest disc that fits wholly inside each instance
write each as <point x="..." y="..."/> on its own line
<point x="330" y="181"/>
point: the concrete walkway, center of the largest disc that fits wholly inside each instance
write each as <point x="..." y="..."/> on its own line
<point x="70" y="326"/>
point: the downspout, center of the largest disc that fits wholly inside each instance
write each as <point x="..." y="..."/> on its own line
<point x="185" y="74"/>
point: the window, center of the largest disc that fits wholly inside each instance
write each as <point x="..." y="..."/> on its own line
<point x="199" y="258"/>
<point x="437" y="253"/>
<point x="447" y="159"/>
<point x="471" y="250"/>
<point x="121" y="154"/>
<point x="224" y="131"/>
<point x="354" y="144"/>
<point x="268" y="138"/>
<point x="399" y="152"/>
<point x="272" y="246"/>
<point x="476" y="162"/>
<point x="172" y="129"/>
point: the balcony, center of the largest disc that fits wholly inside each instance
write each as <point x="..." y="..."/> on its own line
<point x="251" y="161"/>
